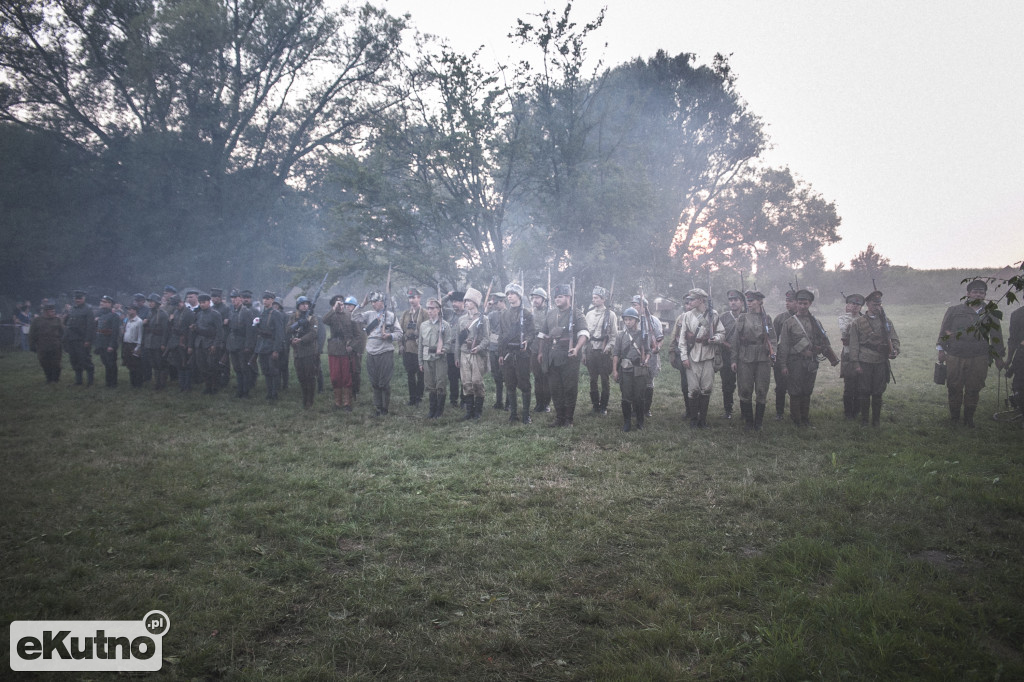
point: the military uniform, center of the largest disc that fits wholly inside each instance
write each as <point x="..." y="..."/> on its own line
<point x="79" y="332"/>
<point x="240" y="344"/>
<point x="753" y="343"/>
<point x="493" y="349"/>
<point x="701" y="333"/>
<point x="223" y="361"/>
<point x="968" y="354"/>
<point x="179" y="343"/>
<point x="517" y="330"/>
<point x="630" y="370"/>
<point x="208" y="344"/>
<point x="873" y="343"/>
<point x="304" y="330"/>
<point x="435" y="339"/>
<point x="45" y="335"/>
<point x="156" y="328"/>
<point x="131" y="347"/>
<point x="341" y="347"/>
<point x="473" y="333"/>
<point x="411" y="321"/>
<point x="801" y="340"/>
<point x="270" y="344"/>
<point x="108" y="333"/>
<point x="851" y="382"/>
<point x="1015" y="358"/>
<point x="603" y="325"/>
<point x="728" y="377"/>
<point x="541" y="392"/>
<point x="382" y="333"/>
<point x="781" y="381"/>
<point x="452" y="315"/>
<point x="563" y="331"/>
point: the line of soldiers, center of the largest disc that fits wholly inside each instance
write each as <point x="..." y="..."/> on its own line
<point x="534" y="351"/>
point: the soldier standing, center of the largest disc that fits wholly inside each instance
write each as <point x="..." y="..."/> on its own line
<point x="457" y="310"/>
<point x="358" y="348"/>
<point x="677" y="360"/>
<point x="411" y="321"/>
<point x="108" y="331"/>
<point x="873" y="343"/>
<point x="629" y="369"/>
<point x="728" y="374"/>
<point x="180" y="342"/>
<point x="650" y="324"/>
<point x="603" y="326"/>
<point x="131" y="346"/>
<point x="851" y="381"/>
<point x="341" y="351"/>
<point x="801" y="340"/>
<point x="240" y="343"/>
<point x="155" y="330"/>
<point x="208" y="343"/>
<point x="539" y="299"/>
<point x="563" y="333"/>
<point x="967" y="352"/>
<point x="80" y="328"/>
<point x="753" y="353"/>
<point x="223" y="362"/>
<point x="514" y="353"/>
<point x="382" y="333"/>
<point x="496" y="306"/>
<point x="781" y="381"/>
<point x="304" y="332"/>
<point x="45" y="334"/>
<point x="702" y="331"/>
<point x="473" y="333"/>
<point x="436" y="338"/>
<point x="270" y="340"/>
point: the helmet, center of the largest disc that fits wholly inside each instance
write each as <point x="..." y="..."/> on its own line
<point x="300" y="300"/>
<point x="539" y="291"/>
<point x="351" y="300"/>
<point x="630" y="312"/>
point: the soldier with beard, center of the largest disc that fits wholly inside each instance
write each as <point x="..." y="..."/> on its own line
<point x="80" y="329"/>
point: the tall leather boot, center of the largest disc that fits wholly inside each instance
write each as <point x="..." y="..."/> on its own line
<point x="512" y="400"/>
<point x="469" y="404"/>
<point x="627" y="415"/>
<point x="648" y="400"/>
<point x="499" y="404"/>
<point x="337" y="398"/>
<point x="805" y="419"/>
<point x="956" y="399"/>
<point x="595" y="400"/>
<point x="90" y="377"/>
<point x="442" y="399"/>
<point x="705" y="405"/>
<point x="864" y="403"/>
<point x="758" y="416"/>
<point x="433" y="406"/>
<point x="876" y="410"/>
<point x="387" y="399"/>
<point x="641" y="417"/>
<point x="969" y="415"/>
<point x="78" y="377"/>
<point x="795" y="410"/>
<point x="694" y="410"/>
<point x="686" y="406"/>
<point x="378" y="400"/>
<point x="479" y="404"/>
<point x="747" y="411"/>
<point x="527" y="419"/>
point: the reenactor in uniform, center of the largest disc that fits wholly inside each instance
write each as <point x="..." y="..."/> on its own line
<point x="727" y="373"/>
<point x="166" y="304"/>
<point x="677" y="360"/>
<point x="240" y="343"/>
<point x="286" y="351"/>
<point x="79" y="331"/>
<point x="753" y="353"/>
<point x="654" y="327"/>
<point x="341" y="348"/>
<point x="801" y="340"/>
<point x="180" y="342"/>
<point x="411" y="321"/>
<point x="270" y="343"/>
<point x="496" y="306"/>
<point x="155" y="330"/>
<point x="967" y="353"/>
<point x="851" y="381"/>
<point x="563" y="333"/>
<point x="1015" y="358"/>
<point x="382" y="333"/>
<point x="514" y="352"/>
<point x="781" y="382"/>
<point x="702" y="331"/>
<point x="603" y="325"/>
<point x="108" y="331"/>
<point x="45" y="334"/>
<point x="473" y="333"/>
<point x="873" y="343"/>
<point x="542" y="394"/>
<point x="131" y="345"/>
<point x="304" y="335"/>
<point x="208" y="343"/>
<point x="357" y="349"/>
<point x="457" y="310"/>
<point x="435" y="337"/>
<point x="223" y="362"/>
<point x="629" y="369"/>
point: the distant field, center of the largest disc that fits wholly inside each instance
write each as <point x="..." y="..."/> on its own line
<point x="291" y="544"/>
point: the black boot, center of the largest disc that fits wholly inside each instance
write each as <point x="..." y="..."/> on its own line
<point x="479" y="411"/>
<point x="433" y="406"/>
<point x="470" y="404"/>
<point x="969" y="416"/>
<point x="442" y="400"/>
<point x="694" y="410"/>
<point x="876" y="410"/>
<point x="705" y="405"/>
<point x="758" y="416"/>
<point x="627" y="411"/>
<point x="512" y="400"/>
<point x="864" y="403"/>
<point x="498" y="403"/>
<point x="746" y="409"/>
<point x="526" y="408"/>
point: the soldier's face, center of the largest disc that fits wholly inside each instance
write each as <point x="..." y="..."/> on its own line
<point x="106" y="305"/>
<point x="597" y="300"/>
<point x="49" y="312"/>
<point x="874" y="308"/>
<point x="803" y="306"/>
<point x="236" y="301"/>
<point x="268" y="303"/>
<point x="791" y="305"/>
<point x="414" y="301"/>
<point x="79" y="300"/>
<point x="538" y="301"/>
<point x="736" y="304"/>
<point x="433" y="311"/>
<point x="378" y="305"/>
<point x="205" y="304"/>
<point x="754" y="305"/>
<point x="514" y="300"/>
<point x="303" y="307"/>
<point x="192" y="299"/>
<point x="630" y="323"/>
<point x="975" y="295"/>
<point x="562" y="301"/>
<point x="852" y="308"/>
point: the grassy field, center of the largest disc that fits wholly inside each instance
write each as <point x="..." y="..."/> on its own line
<point x="291" y="544"/>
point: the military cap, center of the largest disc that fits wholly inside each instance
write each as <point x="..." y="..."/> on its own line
<point x="154" y="297"/>
<point x="733" y="293"/>
<point x="473" y="295"/>
<point x="855" y="299"/>
<point x="873" y="296"/>
<point x="175" y="300"/>
<point x="539" y="291"/>
<point x="805" y="295"/>
<point x="245" y="293"/>
<point x="216" y="292"/>
<point x="235" y="293"/>
<point x="170" y="290"/>
<point x="106" y="298"/>
<point x="563" y="290"/>
<point x="433" y="301"/>
<point x="139" y="297"/>
<point x="78" y="293"/>
<point x="637" y="299"/>
<point x="977" y="284"/>
<point x="457" y="296"/>
<point x="336" y="298"/>
<point x="49" y="306"/>
<point x="376" y="296"/>
<point x="514" y="288"/>
<point x="791" y="295"/>
<point x="630" y="312"/>
<point x="750" y="293"/>
<point x="192" y="292"/>
<point x="413" y="291"/>
<point x="497" y="296"/>
<point x="351" y="300"/>
<point x="600" y="291"/>
<point x="698" y="293"/>
<point x="204" y="297"/>
<point x="269" y="294"/>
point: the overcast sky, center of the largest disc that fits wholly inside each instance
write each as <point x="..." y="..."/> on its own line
<point x="908" y="115"/>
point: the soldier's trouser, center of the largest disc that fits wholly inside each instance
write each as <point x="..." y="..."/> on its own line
<point x="305" y="371"/>
<point x="781" y="390"/>
<point x="435" y="374"/>
<point x="109" y="360"/>
<point x="965" y="377"/>
<point x="411" y="361"/>
<point x="341" y="370"/>
<point x="207" y="369"/>
<point x="540" y="383"/>
<point x="599" y="364"/>
<point x="802" y="374"/>
<point x="155" y="361"/>
<point x="282" y="365"/>
<point x="701" y="377"/>
<point x="131" y="356"/>
<point x="516" y="371"/>
<point x="380" y="369"/>
<point x="499" y="378"/>
<point x="272" y="375"/>
<point x="851" y="395"/>
<point x="50" y="360"/>
<point x="564" y="380"/>
<point x="753" y="378"/>
<point x="242" y="375"/>
<point x="634" y="391"/>
<point x="454" y="382"/>
<point x="81" y="360"/>
<point x="728" y="380"/>
<point x="472" y="368"/>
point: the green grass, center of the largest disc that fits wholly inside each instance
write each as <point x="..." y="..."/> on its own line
<point x="288" y="544"/>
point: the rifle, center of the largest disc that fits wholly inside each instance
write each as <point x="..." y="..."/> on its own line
<point x="766" y="322"/>
<point x="741" y="292"/>
<point x="480" y="318"/>
<point x="646" y="328"/>
<point x="548" y="302"/>
<point x="316" y="296"/>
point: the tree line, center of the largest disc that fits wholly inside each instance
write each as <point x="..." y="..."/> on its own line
<point x="245" y="143"/>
